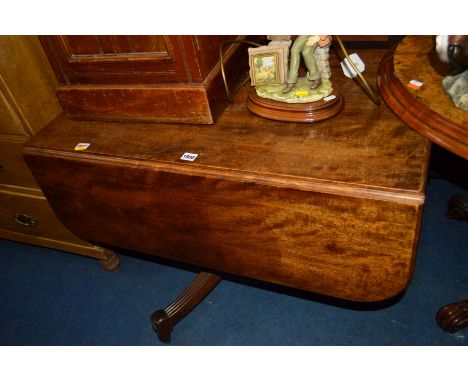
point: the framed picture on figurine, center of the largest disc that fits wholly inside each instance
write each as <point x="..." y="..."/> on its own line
<point x="268" y="65"/>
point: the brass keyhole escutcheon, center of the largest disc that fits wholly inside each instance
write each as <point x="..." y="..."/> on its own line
<point x="25" y="220"/>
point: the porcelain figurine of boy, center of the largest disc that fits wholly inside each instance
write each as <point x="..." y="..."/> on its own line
<point x="306" y="45"/>
<point x="314" y="87"/>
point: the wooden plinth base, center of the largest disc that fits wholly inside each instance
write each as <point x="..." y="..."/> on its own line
<point x="295" y="112"/>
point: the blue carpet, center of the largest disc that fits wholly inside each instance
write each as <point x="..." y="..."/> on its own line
<point x="49" y="297"/>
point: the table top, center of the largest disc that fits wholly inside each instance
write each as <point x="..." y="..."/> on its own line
<point x="364" y="151"/>
<point x="428" y="110"/>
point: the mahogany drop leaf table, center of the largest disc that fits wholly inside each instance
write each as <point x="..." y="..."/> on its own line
<point x="332" y="207"/>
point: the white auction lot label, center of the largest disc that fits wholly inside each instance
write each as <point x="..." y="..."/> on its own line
<point x="189" y="156"/>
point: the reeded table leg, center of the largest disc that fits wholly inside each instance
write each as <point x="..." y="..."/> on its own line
<point x="457" y="208"/>
<point x="163" y="320"/>
<point x="453" y="317"/>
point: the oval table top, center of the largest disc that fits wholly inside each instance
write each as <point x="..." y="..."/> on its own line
<point x="428" y="110"/>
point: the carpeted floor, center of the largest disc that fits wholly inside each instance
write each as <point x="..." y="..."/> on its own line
<point x="49" y="297"/>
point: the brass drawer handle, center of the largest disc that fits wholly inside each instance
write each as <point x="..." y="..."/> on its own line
<point x="25" y="220"/>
